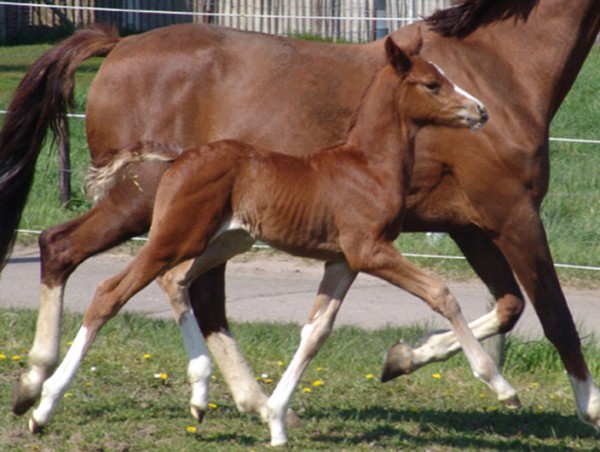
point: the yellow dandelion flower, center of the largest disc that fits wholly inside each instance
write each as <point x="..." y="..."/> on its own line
<point x="369" y="376"/>
<point x="481" y="395"/>
<point x="16" y="358"/>
<point x="280" y="363"/>
<point x="147" y="355"/>
<point x="319" y="369"/>
<point x="68" y="394"/>
<point x="2" y="356"/>
<point x="161" y="376"/>
<point x="268" y="380"/>
<point x="88" y="384"/>
<point x="436" y="376"/>
<point x="212" y="406"/>
<point x="191" y="429"/>
<point x="70" y="343"/>
<point x="306" y="390"/>
<point x="318" y="383"/>
<point x="533" y="384"/>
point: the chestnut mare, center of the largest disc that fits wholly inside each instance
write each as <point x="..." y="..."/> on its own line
<point x="343" y="204"/>
<point x="191" y="84"/>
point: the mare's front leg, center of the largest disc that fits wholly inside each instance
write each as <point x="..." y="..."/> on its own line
<point x="491" y="266"/>
<point x="109" y="298"/>
<point x="523" y="241"/>
<point x="333" y="288"/>
<point x="382" y="260"/>
<point x="124" y="212"/>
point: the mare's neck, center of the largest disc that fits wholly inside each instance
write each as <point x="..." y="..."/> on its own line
<point x="546" y="51"/>
<point x="379" y="129"/>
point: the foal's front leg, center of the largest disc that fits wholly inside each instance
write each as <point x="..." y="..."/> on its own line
<point x="333" y="288"/>
<point x="382" y="260"/>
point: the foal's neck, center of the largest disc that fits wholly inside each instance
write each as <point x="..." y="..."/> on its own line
<point x="379" y="129"/>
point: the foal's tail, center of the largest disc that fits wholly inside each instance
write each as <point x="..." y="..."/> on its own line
<point x="41" y="101"/>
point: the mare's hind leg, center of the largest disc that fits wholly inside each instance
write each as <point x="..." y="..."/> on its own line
<point x="207" y="296"/>
<point x="109" y="298"/>
<point x="124" y="212"/>
<point x="335" y="284"/>
<point x="175" y="284"/>
<point x="382" y="260"/>
<point x="494" y="271"/>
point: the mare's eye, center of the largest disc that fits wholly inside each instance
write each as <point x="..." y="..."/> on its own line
<point x="433" y="86"/>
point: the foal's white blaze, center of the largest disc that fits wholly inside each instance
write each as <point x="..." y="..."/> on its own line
<point x="199" y="367"/>
<point x="476" y="125"/>
<point x="56" y="386"/>
<point x="587" y="397"/>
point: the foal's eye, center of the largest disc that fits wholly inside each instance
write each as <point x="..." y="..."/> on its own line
<point x="433" y="86"/>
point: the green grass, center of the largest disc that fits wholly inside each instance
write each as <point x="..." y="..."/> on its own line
<point x="116" y="403"/>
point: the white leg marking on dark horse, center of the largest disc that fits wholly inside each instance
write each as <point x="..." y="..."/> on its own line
<point x="438" y="346"/>
<point x="56" y="386"/>
<point x="587" y="397"/>
<point x="45" y="350"/>
<point x="199" y="367"/>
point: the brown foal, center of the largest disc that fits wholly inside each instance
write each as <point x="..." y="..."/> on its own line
<point x="343" y="205"/>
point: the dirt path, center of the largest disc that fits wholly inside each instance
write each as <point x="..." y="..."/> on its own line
<point x="265" y="286"/>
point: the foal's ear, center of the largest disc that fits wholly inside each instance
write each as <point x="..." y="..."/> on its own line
<point x="397" y="58"/>
<point x="400" y="57"/>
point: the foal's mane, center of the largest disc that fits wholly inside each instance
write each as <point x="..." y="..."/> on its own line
<point x="465" y="17"/>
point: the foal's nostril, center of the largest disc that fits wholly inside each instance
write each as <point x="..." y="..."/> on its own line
<point x="483" y="113"/>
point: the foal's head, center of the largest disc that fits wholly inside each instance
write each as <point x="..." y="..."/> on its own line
<point x="426" y="96"/>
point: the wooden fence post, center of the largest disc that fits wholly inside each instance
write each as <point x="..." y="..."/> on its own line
<point x="64" y="165"/>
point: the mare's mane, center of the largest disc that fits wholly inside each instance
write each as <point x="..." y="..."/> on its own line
<point x="465" y="17"/>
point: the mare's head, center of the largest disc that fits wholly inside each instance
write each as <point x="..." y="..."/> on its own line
<point x="426" y="96"/>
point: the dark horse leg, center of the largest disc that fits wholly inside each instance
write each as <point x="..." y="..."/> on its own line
<point x="207" y="297"/>
<point x="125" y="212"/>
<point x="491" y="266"/>
<point x="525" y="246"/>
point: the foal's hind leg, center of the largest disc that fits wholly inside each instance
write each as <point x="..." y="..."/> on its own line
<point x="494" y="271"/>
<point x="109" y="298"/>
<point x="123" y="213"/>
<point x="382" y="260"/>
<point x="176" y="283"/>
<point x="335" y="284"/>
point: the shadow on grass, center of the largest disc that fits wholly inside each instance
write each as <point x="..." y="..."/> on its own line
<point x="456" y="429"/>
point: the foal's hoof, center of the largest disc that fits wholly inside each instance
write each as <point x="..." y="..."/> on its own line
<point x="197" y="413"/>
<point x="23" y="399"/>
<point x="292" y="420"/>
<point x="34" y="427"/>
<point x="398" y="361"/>
<point x="512" y="402"/>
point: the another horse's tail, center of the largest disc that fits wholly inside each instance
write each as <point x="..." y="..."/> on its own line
<point x="41" y="101"/>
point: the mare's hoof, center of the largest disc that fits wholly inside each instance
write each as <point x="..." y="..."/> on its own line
<point x="512" y="402"/>
<point x="23" y="399"/>
<point x="398" y="361"/>
<point x="197" y="413"/>
<point x="292" y="420"/>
